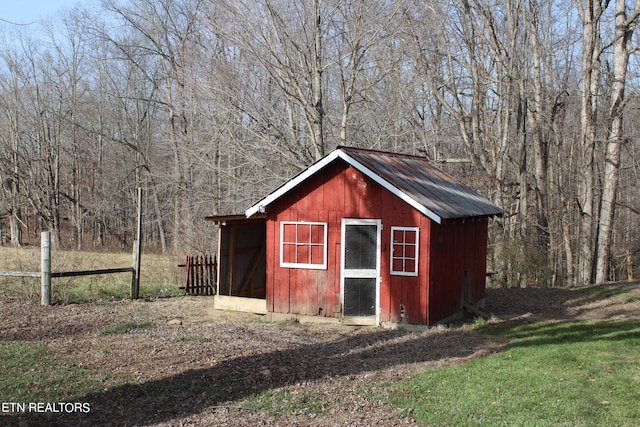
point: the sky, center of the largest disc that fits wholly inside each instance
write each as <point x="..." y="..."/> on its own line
<point x="27" y="11"/>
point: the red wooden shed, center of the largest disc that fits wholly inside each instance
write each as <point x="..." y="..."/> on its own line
<point x="370" y="237"/>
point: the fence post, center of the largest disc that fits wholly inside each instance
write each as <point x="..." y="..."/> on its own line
<point x="137" y="252"/>
<point x="45" y="268"/>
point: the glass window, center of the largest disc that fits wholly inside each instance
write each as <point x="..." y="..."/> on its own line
<point x="303" y="244"/>
<point x="404" y="251"/>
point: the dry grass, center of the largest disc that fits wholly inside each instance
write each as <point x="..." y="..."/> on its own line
<point x="160" y="275"/>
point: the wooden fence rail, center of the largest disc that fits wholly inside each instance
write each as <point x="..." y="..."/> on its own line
<point x="20" y="273"/>
<point x="200" y="275"/>
<point x="46" y="274"/>
<point x="93" y="272"/>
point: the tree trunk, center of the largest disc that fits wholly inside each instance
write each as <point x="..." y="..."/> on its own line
<point x="14" y="228"/>
<point x="317" y="110"/>
<point x="621" y="51"/>
<point x="591" y="50"/>
<point x="14" y="217"/>
<point x="161" y="232"/>
<point x="540" y="143"/>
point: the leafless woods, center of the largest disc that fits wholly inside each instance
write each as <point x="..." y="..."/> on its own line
<point x="208" y="105"/>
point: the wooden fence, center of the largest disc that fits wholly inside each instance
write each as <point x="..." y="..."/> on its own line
<point x="201" y="275"/>
<point x="46" y="274"/>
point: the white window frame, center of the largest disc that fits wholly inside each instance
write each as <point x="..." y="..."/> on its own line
<point x="305" y="265"/>
<point x="403" y="258"/>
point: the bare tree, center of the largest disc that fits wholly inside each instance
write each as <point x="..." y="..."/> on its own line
<point x="287" y="39"/>
<point x="625" y="25"/>
<point x="208" y="105"/>
<point x="591" y="12"/>
<point x="35" y="148"/>
<point x="12" y="91"/>
<point x="362" y="32"/>
<point x="168" y="31"/>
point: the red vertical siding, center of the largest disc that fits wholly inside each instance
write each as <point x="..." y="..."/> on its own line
<point x="339" y="192"/>
<point x="271" y="255"/>
<point x="478" y="286"/>
<point x="311" y="291"/>
<point x="407" y="291"/>
<point x="425" y="274"/>
<point x="457" y="246"/>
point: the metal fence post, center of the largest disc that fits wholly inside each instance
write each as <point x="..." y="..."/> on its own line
<point x="137" y="252"/>
<point x="45" y="268"/>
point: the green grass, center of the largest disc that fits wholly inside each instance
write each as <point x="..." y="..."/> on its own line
<point x="275" y="402"/>
<point x="194" y="338"/>
<point x="612" y="293"/>
<point x="551" y="374"/>
<point x="30" y="373"/>
<point x="160" y="276"/>
<point x="124" y="328"/>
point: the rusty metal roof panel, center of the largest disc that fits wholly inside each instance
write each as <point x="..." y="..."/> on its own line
<point x="413" y="179"/>
<point x="425" y="183"/>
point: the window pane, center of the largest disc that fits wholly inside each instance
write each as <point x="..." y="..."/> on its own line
<point x="289" y="253"/>
<point x="410" y="251"/>
<point x="304" y="254"/>
<point x="317" y="234"/>
<point x="317" y="254"/>
<point x="410" y="236"/>
<point x="289" y="231"/>
<point x="304" y="233"/>
<point x="410" y="266"/>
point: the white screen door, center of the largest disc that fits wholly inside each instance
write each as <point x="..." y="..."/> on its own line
<point x="360" y="270"/>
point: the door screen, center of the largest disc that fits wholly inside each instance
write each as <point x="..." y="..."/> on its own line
<point x="360" y="274"/>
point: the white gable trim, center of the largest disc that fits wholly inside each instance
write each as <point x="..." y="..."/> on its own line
<point x="394" y="190"/>
<point x="289" y="185"/>
<point x="319" y="165"/>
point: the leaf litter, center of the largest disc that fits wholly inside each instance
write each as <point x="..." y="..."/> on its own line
<point x="198" y="366"/>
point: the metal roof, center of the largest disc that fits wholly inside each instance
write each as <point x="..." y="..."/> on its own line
<point x="413" y="179"/>
<point x="231" y="217"/>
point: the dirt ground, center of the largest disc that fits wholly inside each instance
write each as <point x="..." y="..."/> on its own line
<point x="197" y="366"/>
